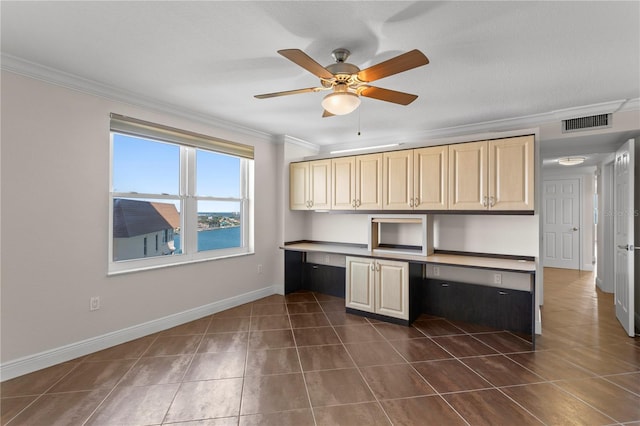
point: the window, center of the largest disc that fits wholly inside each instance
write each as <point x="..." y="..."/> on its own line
<point x="191" y="193"/>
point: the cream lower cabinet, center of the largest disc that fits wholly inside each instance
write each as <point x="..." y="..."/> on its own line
<point x="310" y="185"/>
<point x="492" y="175"/>
<point x="378" y="286"/>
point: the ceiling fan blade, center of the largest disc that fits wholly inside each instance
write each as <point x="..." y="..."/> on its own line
<point x="327" y="114"/>
<point x="289" y="92"/>
<point x="300" y="58"/>
<point x="404" y="62"/>
<point x="388" y="95"/>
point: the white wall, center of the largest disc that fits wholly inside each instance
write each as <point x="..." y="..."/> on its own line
<point x="55" y="178"/>
<point x="511" y="235"/>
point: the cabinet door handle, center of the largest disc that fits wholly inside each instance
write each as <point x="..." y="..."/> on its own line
<point x="502" y="293"/>
<point x="377" y="267"/>
<point x="310" y="203"/>
<point x="358" y="203"/>
<point x="315" y="266"/>
<point x="417" y="202"/>
<point x="372" y="266"/>
<point x="484" y="201"/>
<point x="353" y="203"/>
<point x="444" y="285"/>
<point x="411" y="202"/>
<point x="492" y="201"/>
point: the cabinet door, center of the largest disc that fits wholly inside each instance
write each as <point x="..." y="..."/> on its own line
<point x="397" y="180"/>
<point x="298" y="186"/>
<point x="468" y="176"/>
<point x="320" y="184"/>
<point x="343" y="177"/>
<point x="369" y="182"/>
<point x="511" y="173"/>
<point x="430" y="179"/>
<point x="359" y="284"/>
<point x="392" y="289"/>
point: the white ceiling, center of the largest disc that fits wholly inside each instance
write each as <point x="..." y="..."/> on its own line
<point x="489" y="60"/>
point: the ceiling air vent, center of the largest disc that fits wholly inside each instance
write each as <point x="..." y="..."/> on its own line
<point x="586" y="123"/>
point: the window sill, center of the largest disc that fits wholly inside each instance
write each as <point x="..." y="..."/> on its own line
<point x="172" y="265"/>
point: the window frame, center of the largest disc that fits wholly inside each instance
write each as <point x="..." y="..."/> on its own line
<point x="188" y="201"/>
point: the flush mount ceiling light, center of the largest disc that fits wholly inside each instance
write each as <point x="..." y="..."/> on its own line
<point x="571" y="161"/>
<point x="341" y="101"/>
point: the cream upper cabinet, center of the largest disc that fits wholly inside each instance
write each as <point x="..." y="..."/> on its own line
<point x="343" y="177"/>
<point x="415" y="179"/>
<point x="310" y="185"/>
<point x="430" y="178"/>
<point x="511" y="174"/>
<point x="468" y="176"/>
<point x="299" y="186"/>
<point x="493" y="175"/>
<point x="357" y="182"/>
<point x="369" y="182"/>
<point x="397" y="181"/>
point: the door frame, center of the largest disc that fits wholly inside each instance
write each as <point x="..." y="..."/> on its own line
<point x="552" y="175"/>
<point x="606" y="267"/>
<point x="580" y="180"/>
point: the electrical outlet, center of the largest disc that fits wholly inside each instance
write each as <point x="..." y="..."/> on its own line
<point x="260" y="268"/>
<point x="497" y="278"/>
<point x="436" y="271"/>
<point x="94" y="303"/>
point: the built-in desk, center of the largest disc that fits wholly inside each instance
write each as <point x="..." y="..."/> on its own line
<point x="496" y="305"/>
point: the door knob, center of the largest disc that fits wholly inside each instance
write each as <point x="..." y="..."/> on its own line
<point x="575" y="229"/>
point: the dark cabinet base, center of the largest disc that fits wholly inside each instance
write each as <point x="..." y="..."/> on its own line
<point x="502" y="309"/>
<point x="300" y="275"/>
<point x="499" y="308"/>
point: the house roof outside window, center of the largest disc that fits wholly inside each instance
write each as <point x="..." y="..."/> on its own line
<point x="134" y="217"/>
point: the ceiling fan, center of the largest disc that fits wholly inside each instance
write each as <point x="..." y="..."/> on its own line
<point x="348" y="82"/>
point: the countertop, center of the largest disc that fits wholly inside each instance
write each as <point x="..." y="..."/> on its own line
<point x="494" y="263"/>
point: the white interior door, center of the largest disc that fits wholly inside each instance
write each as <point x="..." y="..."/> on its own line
<point x="561" y="209"/>
<point x="623" y="225"/>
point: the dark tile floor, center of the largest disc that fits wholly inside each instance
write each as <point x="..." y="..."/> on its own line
<point x="300" y="360"/>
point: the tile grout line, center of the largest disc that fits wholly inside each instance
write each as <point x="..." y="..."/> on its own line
<point x="304" y="379"/>
<point x="437" y="393"/>
<point x="359" y="369"/>
<point x="41" y="395"/>
<point x="246" y="361"/>
<point x="95" y="410"/>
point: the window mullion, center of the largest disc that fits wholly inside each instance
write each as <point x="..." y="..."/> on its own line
<point x="190" y="202"/>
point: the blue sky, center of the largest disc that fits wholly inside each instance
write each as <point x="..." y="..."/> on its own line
<point x="144" y="166"/>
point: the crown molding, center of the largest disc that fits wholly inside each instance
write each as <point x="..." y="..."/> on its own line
<point x="50" y="75"/>
<point x="302" y="143"/>
<point x="503" y="125"/>
<point x="589" y="110"/>
<point x="74" y="82"/>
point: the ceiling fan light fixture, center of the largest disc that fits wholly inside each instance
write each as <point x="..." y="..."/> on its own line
<point x="341" y="103"/>
<point x="571" y="161"/>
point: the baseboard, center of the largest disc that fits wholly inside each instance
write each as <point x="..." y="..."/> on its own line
<point x="65" y="353"/>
